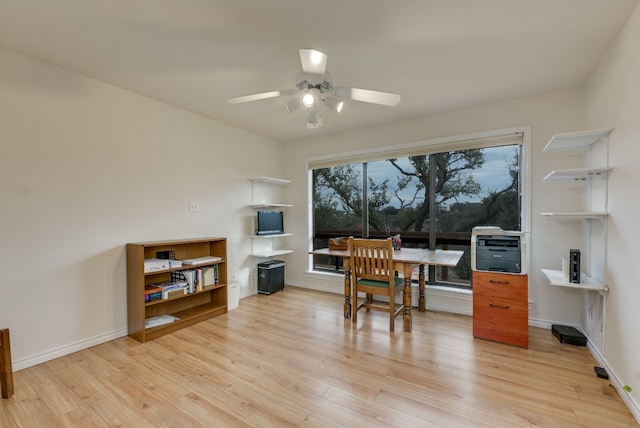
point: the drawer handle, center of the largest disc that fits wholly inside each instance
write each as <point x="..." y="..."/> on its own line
<point x="493" y="305"/>
<point x="495" y="281"/>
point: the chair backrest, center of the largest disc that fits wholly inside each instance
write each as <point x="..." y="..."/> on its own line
<point x="371" y="259"/>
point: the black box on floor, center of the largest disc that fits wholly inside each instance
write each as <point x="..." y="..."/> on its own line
<point x="270" y="276"/>
<point x="570" y="335"/>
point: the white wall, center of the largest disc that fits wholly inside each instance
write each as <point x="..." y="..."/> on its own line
<point x="547" y="114"/>
<point x="612" y="100"/>
<point x="85" y="168"/>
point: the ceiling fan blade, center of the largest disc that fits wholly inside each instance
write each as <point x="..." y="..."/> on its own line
<point x="261" y="96"/>
<point x="368" y="96"/>
<point x="313" y="61"/>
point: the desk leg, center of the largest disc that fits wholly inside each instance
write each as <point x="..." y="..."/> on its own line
<point x="422" y="306"/>
<point x="406" y="301"/>
<point x="347" y="289"/>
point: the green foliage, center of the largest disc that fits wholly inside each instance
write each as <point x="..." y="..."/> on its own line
<point x="452" y="180"/>
<point x="338" y="200"/>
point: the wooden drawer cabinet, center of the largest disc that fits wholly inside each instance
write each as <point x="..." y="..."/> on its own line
<point x="500" y="308"/>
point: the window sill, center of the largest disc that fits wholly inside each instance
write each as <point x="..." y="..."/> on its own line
<point x="436" y="287"/>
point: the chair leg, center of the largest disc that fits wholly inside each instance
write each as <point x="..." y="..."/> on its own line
<point x="392" y="310"/>
<point x="354" y="305"/>
<point x="369" y="301"/>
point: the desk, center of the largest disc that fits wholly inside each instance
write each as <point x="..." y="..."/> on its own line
<point x="403" y="260"/>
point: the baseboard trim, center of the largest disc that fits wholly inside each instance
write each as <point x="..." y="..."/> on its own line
<point x="329" y="288"/>
<point x="248" y="293"/>
<point x="67" y="349"/>
<point x="614" y="380"/>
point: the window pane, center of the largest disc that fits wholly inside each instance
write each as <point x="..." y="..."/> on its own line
<point x="398" y="199"/>
<point x="337" y="208"/>
<point x="477" y="187"/>
<point x="471" y="188"/>
<point x="481" y="188"/>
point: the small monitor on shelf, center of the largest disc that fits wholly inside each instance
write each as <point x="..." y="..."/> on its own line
<point x="269" y="222"/>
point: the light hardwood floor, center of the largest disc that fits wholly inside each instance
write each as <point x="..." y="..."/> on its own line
<point x="290" y="359"/>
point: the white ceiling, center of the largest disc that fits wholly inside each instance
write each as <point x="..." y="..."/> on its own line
<point x="439" y="55"/>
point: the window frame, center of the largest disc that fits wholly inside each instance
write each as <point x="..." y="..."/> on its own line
<point x="430" y="146"/>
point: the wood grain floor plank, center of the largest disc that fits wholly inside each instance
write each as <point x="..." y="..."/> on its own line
<point x="291" y="359"/>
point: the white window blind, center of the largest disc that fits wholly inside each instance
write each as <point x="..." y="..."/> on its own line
<point x="415" y="149"/>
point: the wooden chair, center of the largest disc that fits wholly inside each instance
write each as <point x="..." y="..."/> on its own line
<point x="372" y="272"/>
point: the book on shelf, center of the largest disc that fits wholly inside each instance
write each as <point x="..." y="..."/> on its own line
<point x="148" y="298"/>
<point x="201" y="260"/>
<point x="174" y="292"/>
<point x="152" y="265"/>
<point x="172" y="288"/>
<point x="152" y="293"/>
<point x="210" y="276"/>
<point x="198" y="279"/>
<point x="151" y="288"/>
<point x="159" y="320"/>
<point x="175" y="264"/>
<point x="188" y="276"/>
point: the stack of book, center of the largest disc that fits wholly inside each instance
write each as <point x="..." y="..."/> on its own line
<point x="198" y="279"/>
<point x="170" y="289"/>
<point x="152" y="293"/>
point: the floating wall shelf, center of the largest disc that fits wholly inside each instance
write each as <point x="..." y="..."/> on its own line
<point x="582" y="140"/>
<point x="578" y="174"/>
<point x="586" y="282"/>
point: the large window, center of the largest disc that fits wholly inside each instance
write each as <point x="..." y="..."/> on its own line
<point x="431" y="200"/>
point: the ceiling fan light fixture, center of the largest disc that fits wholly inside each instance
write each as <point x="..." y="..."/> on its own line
<point x="334" y="104"/>
<point x="309" y="100"/>
<point x="314" y="119"/>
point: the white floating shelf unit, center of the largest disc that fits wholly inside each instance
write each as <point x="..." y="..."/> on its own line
<point x="279" y="235"/>
<point x="586" y="282"/>
<point x="594" y="175"/>
<point x="578" y="214"/>
<point x="271" y="180"/>
<point x="269" y="254"/>
<point x="264" y="246"/>
<point x="267" y="206"/>
<point x="578" y="174"/>
<point x="582" y="140"/>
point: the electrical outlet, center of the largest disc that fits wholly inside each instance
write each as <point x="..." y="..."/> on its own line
<point x="194" y="206"/>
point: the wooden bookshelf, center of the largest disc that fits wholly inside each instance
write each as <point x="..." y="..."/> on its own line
<point x="189" y="309"/>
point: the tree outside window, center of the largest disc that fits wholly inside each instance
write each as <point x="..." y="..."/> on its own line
<point x="442" y="195"/>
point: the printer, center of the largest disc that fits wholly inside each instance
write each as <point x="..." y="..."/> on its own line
<point x="497" y="250"/>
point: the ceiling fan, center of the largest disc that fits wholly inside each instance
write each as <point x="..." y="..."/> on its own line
<point x="314" y="87"/>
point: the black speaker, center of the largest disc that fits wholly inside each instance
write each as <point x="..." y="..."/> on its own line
<point x="574" y="266"/>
